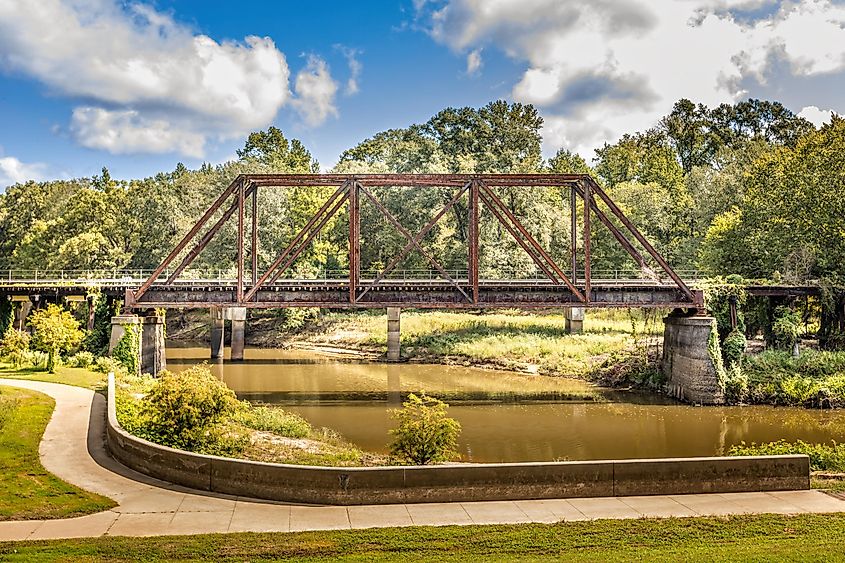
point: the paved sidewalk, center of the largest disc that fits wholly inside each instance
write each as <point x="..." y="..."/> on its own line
<point x="73" y="448"/>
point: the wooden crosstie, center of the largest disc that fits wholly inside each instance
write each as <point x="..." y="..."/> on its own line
<point x="268" y="288"/>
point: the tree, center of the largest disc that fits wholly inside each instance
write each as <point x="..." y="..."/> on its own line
<point x="14" y="345"/>
<point x="54" y="331"/>
<point x="425" y="434"/>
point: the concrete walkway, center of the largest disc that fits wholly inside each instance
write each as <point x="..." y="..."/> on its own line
<point x="73" y="448"/>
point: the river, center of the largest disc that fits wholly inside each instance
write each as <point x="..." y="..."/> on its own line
<point x="505" y="416"/>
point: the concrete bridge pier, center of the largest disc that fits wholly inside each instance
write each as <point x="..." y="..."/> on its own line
<point x="22" y="306"/>
<point x="393" y="333"/>
<point x="153" y="358"/>
<point x="217" y="333"/>
<point x="574" y="320"/>
<point x="120" y="324"/>
<point x="690" y="365"/>
<point x="238" y="317"/>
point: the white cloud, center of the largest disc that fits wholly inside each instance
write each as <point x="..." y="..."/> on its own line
<point x="13" y="171"/>
<point x="606" y="67"/>
<point x="149" y="83"/>
<point x="816" y="116"/>
<point x="474" y="62"/>
<point x="315" y="90"/>
<point x="355" y="68"/>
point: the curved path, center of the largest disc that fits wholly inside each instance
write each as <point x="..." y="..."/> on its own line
<point x="73" y="448"/>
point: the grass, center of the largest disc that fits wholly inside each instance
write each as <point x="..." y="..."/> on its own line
<point x="741" y="538"/>
<point x="776" y="377"/>
<point x="78" y="377"/>
<point x="27" y="490"/>
<point x="507" y="339"/>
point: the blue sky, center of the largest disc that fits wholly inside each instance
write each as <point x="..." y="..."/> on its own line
<point x="139" y="86"/>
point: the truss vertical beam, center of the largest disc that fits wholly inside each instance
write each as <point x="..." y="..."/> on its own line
<point x="253" y="249"/>
<point x="240" y="294"/>
<point x="573" y="226"/>
<point x="588" y="200"/>
<point x="354" y="241"/>
<point x="472" y="240"/>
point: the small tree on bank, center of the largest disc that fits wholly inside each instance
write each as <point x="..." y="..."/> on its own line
<point x="425" y="434"/>
<point x="54" y="331"/>
<point x="14" y="345"/>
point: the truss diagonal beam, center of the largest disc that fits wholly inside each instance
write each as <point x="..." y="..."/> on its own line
<point x="389" y="216"/>
<point x="341" y="190"/>
<point x="533" y="243"/>
<point x="408" y="247"/>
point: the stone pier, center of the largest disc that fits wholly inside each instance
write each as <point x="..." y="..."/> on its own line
<point x="217" y="333"/>
<point x="152" y="343"/>
<point x="22" y="305"/>
<point x="238" y="317"/>
<point x="119" y="325"/>
<point x="691" y="373"/>
<point x="574" y="320"/>
<point x="393" y="333"/>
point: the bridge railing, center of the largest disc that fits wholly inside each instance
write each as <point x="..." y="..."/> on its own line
<point x="225" y="276"/>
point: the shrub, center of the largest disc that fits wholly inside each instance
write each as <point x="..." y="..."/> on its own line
<point x="104" y="364"/>
<point x="127" y="349"/>
<point x="14" y="345"/>
<point x="425" y="434"/>
<point x="276" y="420"/>
<point x="823" y="457"/>
<point x="185" y="408"/>
<point x="733" y="348"/>
<point x="54" y="331"/>
<point x="736" y="384"/>
<point x="786" y="328"/>
<point x="81" y="360"/>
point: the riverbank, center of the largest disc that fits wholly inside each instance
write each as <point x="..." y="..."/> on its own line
<point x="528" y="342"/>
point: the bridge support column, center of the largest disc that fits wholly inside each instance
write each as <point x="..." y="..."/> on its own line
<point x="217" y="333"/>
<point x="152" y="343"/>
<point x="688" y="360"/>
<point x="238" y="316"/>
<point x="22" y="305"/>
<point x="393" y="333"/>
<point x="120" y="325"/>
<point x="574" y="320"/>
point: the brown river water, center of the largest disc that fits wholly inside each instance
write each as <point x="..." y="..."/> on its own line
<point x="505" y="416"/>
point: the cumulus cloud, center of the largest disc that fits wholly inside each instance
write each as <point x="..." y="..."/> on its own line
<point x="149" y="83"/>
<point x="474" y="62"/>
<point x="315" y="90"/>
<point x="602" y="68"/>
<point x="13" y="171"/>
<point x="816" y="116"/>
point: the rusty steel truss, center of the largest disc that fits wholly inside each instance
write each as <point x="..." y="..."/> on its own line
<point x="254" y="288"/>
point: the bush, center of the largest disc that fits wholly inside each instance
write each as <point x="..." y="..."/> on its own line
<point x="184" y="411"/>
<point x="276" y="420"/>
<point x="14" y="346"/>
<point x="54" y="331"/>
<point x="823" y="457"/>
<point x="81" y="360"/>
<point x="127" y="349"/>
<point x="786" y="328"/>
<point x="736" y="384"/>
<point x="733" y="348"/>
<point x="425" y="434"/>
<point x="104" y="364"/>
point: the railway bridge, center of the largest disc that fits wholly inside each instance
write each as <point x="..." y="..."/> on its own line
<point x="556" y="281"/>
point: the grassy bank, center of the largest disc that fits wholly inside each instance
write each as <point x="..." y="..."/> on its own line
<point x="27" y="490"/>
<point x="507" y="339"/>
<point x="815" y="378"/>
<point x="78" y="377"/>
<point x="758" y="538"/>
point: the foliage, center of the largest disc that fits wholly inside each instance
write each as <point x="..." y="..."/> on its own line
<point x="105" y="364"/>
<point x="736" y="384"/>
<point x="273" y="419"/>
<point x="27" y="490"/>
<point x="97" y="340"/>
<point x="815" y="378"/>
<point x="185" y="410"/>
<point x="7" y="315"/>
<point x="14" y="345"/>
<point x="54" y="331"/>
<point x="424" y="434"/>
<point x="128" y="349"/>
<point x="786" y="328"/>
<point x="823" y="457"/>
<point x="733" y="348"/>
<point x="82" y="359"/>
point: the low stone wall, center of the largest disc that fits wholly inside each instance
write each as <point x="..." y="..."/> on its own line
<point x="452" y="483"/>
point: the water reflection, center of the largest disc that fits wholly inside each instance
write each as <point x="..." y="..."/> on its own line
<point x="506" y="416"/>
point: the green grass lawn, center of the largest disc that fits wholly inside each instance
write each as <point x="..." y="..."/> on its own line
<point x="27" y="490"/>
<point x="69" y="376"/>
<point x="758" y="538"/>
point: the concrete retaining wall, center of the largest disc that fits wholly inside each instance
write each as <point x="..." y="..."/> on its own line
<point x="465" y="482"/>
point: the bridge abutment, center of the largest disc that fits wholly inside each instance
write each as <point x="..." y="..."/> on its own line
<point x="153" y="358"/>
<point x="574" y="320"/>
<point x="238" y="316"/>
<point x="393" y="334"/>
<point x="690" y="362"/>
<point x="22" y="305"/>
<point x="217" y="333"/>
